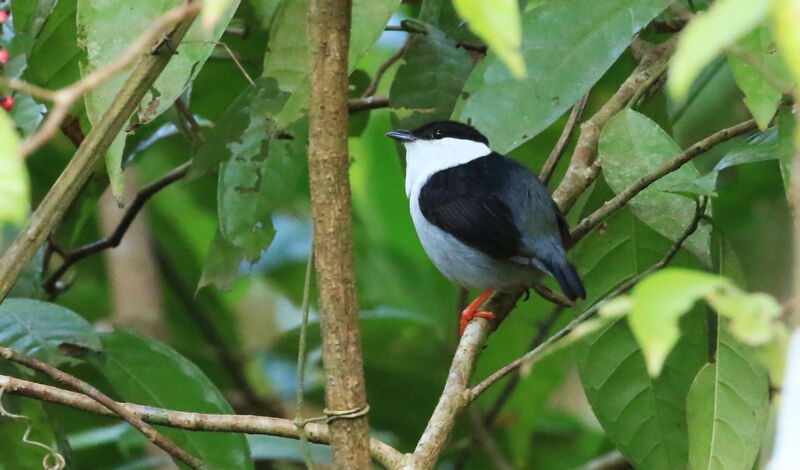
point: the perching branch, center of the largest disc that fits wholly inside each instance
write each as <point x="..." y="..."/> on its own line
<point x="582" y="171"/>
<point x="113" y="240"/>
<point x="75" y="383"/>
<point x="618" y="201"/>
<point x="382" y="453"/>
<point x="583" y="168"/>
<point x="328" y="164"/>
<point x="64" y="98"/>
<point x="537" y="352"/>
<point x="412" y="29"/>
<point x="52" y="208"/>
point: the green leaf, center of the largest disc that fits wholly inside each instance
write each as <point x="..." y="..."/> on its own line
<point x="48" y="332"/>
<point x="632" y="146"/>
<point x="145" y="371"/>
<point x="287" y="58"/>
<point x="753" y="317"/>
<point x="707" y="35"/>
<point x="498" y="24"/>
<point x="14" y="186"/>
<point x="659" y="302"/>
<point x="212" y="12"/>
<point x="644" y="416"/>
<point x="107" y="29"/>
<point x="727" y="408"/>
<point x="785" y="18"/>
<point x="761" y="98"/>
<point x="759" y="148"/>
<point x="569" y="44"/>
<point x="222" y="264"/>
<point x="54" y="56"/>
<point x="431" y="77"/>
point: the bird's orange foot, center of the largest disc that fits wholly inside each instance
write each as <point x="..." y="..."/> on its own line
<point x="466" y="316"/>
<point x="472" y="311"/>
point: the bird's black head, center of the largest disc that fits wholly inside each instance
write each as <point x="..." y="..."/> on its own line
<point x="439" y="130"/>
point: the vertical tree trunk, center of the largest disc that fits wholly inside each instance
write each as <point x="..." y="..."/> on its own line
<point x="329" y="35"/>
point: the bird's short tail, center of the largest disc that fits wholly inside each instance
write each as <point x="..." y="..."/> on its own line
<point x="566" y="276"/>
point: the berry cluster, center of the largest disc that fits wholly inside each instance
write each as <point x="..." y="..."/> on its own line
<point x="6" y="102"/>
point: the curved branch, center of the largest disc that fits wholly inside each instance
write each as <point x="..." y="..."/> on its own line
<point x="115" y="238"/>
<point x="73" y="382"/>
<point x="382" y="453"/>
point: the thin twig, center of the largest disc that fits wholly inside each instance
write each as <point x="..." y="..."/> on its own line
<point x="409" y="29"/>
<point x="542" y="331"/>
<point x="563" y="140"/>
<point x="376" y="80"/>
<point x="583" y="168"/>
<point x="115" y="238"/>
<point x="367" y="103"/>
<point x="134" y="420"/>
<point x="533" y="355"/>
<point x="618" y="201"/>
<point x="382" y="453"/>
<point x="64" y="98"/>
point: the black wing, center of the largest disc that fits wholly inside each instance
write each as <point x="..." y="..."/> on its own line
<point x="470" y="202"/>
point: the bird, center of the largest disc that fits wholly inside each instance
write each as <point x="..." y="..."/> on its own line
<point x="484" y="220"/>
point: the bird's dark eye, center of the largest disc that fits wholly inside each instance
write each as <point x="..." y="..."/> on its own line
<point x="438" y="133"/>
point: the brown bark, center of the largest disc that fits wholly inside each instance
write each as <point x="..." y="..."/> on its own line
<point x="329" y="36"/>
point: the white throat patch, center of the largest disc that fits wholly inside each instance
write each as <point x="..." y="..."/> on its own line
<point x="426" y="157"/>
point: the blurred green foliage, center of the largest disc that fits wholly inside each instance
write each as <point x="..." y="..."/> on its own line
<point x="231" y="240"/>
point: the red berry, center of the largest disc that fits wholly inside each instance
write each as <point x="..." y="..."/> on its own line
<point x="3" y="16"/>
<point x="3" y="56"/>
<point x="7" y="103"/>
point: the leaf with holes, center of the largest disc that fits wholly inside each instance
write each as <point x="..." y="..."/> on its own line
<point x="569" y="45"/>
<point x="48" y="332"/>
<point x="431" y="78"/>
<point x="727" y="408"/>
<point x="147" y="372"/>
<point x="106" y="30"/>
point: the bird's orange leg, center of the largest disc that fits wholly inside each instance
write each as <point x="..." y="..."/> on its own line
<point x="472" y="311"/>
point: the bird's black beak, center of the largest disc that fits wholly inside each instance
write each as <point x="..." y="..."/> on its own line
<point x="401" y="135"/>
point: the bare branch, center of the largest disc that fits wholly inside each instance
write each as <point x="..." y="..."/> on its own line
<point x="533" y="355"/>
<point x="376" y="80"/>
<point x="115" y="238"/>
<point x="583" y="168"/>
<point x="382" y="453"/>
<point x="667" y="167"/>
<point x="563" y="140"/>
<point x="366" y="103"/>
<point x="53" y="206"/>
<point x="328" y="164"/>
<point x="73" y="382"/>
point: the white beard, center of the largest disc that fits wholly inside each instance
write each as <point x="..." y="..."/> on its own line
<point x="426" y="157"/>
